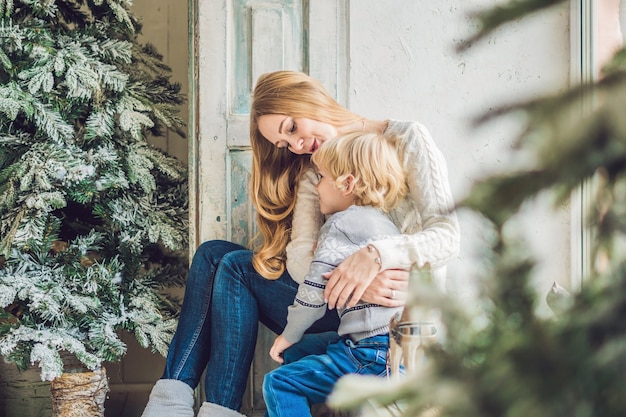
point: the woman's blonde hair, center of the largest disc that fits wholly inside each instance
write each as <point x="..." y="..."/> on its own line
<point x="373" y="160"/>
<point x="276" y="171"/>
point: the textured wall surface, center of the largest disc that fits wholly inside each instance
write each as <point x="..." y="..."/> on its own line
<point x="404" y="65"/>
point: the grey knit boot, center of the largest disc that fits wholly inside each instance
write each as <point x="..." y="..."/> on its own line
<point x="214" y="410"/>
<point x="170" y="398"/>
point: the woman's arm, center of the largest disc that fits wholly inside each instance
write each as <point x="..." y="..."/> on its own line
<point x="430" y="227"/>
<point x="426" y="217"/>
<point x="306" y="223"/>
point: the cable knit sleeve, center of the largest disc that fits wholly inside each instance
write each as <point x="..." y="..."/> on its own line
<point x="426" y="217"/>
<point x="306" y="222"/>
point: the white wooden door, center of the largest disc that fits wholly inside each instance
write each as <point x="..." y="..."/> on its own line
<point x="235" y="41"/>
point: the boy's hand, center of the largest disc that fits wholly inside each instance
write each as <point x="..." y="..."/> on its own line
<point x="277" y="349"/>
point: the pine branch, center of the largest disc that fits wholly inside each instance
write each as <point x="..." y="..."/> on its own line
<point x="6" y="7"/>
<point x="495" y="17"/>
<point x="93" y="220"/>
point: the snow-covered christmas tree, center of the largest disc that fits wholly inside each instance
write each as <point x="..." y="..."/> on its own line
<point x="93" y="219"/>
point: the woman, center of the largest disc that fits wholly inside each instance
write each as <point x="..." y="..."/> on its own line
<point x="229" y="289"/>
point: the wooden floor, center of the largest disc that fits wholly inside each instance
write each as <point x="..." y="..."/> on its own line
<point x="121" y="404"/>
<point x="25" y="395"/>
<point x="118" y="404"/>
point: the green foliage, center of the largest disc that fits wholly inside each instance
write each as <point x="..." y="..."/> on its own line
<point x="490" y="19"/>
<point x="93" y="219"/>
<point x="508" y="361"/>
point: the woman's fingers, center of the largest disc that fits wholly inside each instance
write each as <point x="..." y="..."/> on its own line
<point x="357" y="279"/>
<point x="337" y="294"/>
<point x="389" y="288"/>
<point x="350" y="279"/>
<point x="397" y="278"/>
<point x="354" y="297"/>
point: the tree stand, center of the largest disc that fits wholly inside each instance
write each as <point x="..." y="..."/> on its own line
<point x="79" y="394"/>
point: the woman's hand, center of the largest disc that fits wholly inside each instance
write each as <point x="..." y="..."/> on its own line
<point x="277" y="349"/>
<point x="389" y="288"/>
<point x="352" y="281"/>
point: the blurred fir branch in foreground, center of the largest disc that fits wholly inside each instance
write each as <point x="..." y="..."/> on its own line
<point x="509" y="361"/>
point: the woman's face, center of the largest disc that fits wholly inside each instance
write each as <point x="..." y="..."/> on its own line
<point x="300" y="136"/>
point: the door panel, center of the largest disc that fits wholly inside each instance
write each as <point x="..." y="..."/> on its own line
<point x="242" y="226"/>
<point x="266" y="36"/>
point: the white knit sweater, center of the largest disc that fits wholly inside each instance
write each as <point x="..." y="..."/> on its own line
<point x="425" y="217"/>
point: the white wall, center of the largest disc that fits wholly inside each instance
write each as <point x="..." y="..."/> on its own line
<point x="403" y="65"/>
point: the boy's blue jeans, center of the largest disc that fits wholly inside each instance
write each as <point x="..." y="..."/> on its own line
<point x="225" y="298"/>
<point x="291" y="389"/>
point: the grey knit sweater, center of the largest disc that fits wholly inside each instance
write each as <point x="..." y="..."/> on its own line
<point x="343" y="234"/>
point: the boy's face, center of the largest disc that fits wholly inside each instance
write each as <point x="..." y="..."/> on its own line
<point x="332" y="199"/>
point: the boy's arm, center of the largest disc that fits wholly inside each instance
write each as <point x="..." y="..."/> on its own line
<point x="277" y="349"/>
<point x="309" y="305"/>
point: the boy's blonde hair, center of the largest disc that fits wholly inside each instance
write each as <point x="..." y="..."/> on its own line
<point x="373" y="161"/>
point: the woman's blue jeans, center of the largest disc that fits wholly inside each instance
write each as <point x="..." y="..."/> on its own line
<point x="224" y="300"/>
<point x="291" y="389"/>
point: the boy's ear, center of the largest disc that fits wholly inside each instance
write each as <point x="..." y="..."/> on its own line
<point x="348" y="184"/>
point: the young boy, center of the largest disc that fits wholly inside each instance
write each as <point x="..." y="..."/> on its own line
<point x="361" y="178"/>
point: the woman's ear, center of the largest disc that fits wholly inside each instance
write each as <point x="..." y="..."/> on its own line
<point x="348" y="184"/>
